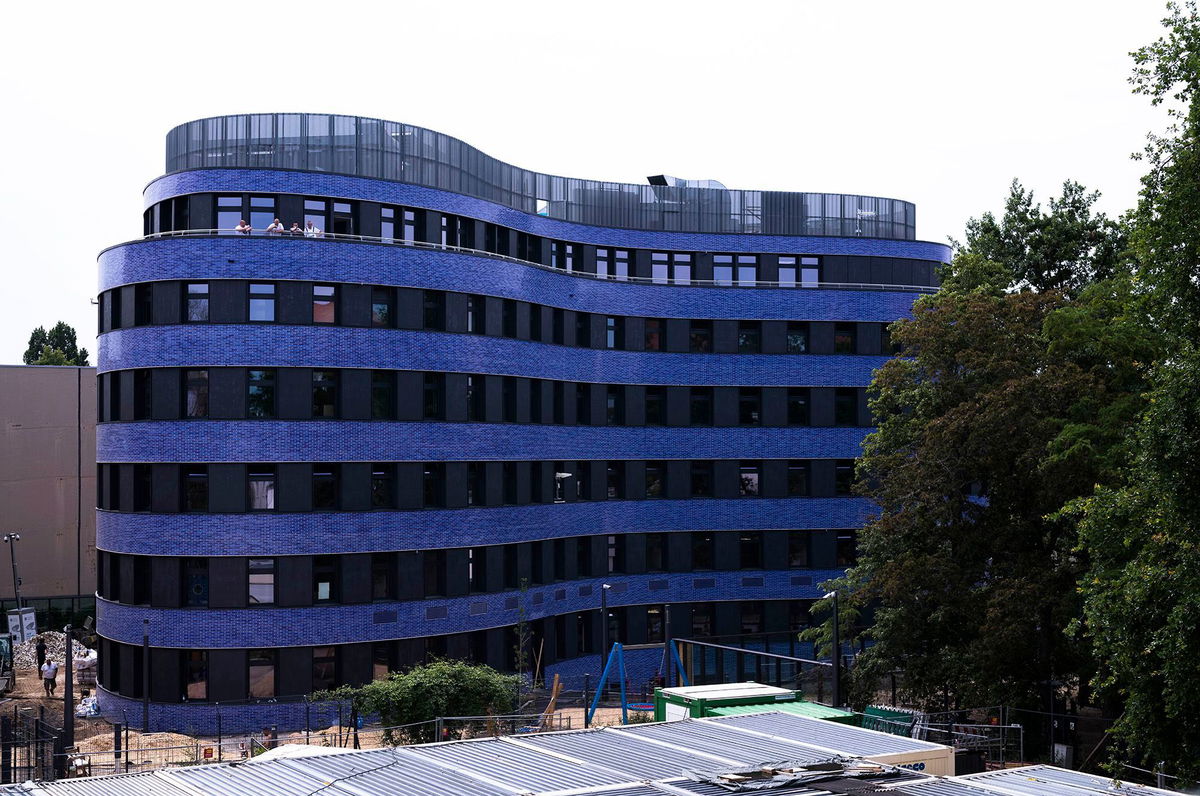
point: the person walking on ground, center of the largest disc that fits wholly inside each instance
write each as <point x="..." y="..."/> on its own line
<point x="40" y="647"/>
<point x="50" y="677"/>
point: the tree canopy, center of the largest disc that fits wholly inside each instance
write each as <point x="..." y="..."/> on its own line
<point x="436" y="689"/>
<point x="56" y="347"/>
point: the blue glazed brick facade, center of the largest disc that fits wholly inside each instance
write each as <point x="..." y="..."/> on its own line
<point x="350" y="624"/>
<point x="152" y="547"/>
<point x="314" y="533"/>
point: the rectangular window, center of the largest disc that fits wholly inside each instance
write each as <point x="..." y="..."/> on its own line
<point x="262" y="674"/>
<point x="747" y="270"/>
<point x="324" y="486"/>
<point x="324" y="669"/>
<point x="143" y="305"/>
<point x="583" y="556"/>
<point x="620" y="264"/>
<point x="843" y="338"/>
<point x="535" y="323"/>
<point x="229" y="213"/>
<point x="797" y="406"/>
<point x="325" y="579"/>
<point x="508" y="399"/>
<point x="262" y="581"/>
<point x="702" y="479"/>
<point x="749" y="406"/>
<point x="476" y="488"/>
<point x="798" y="549"/>
<point x="797" y="337"/>
<point x="476" y="315"/>
<point x="324" y="304"/>
<point x="383" y="308"/>
<point x="324" y="393"/>
<point x="749" y="337"/>
<point x="195" y="393"/>
<point x="262" y="487"/>
<point x="847" y="548"/>
<point x="655" y="624"/>
<point x="583" y="335"/>
<point x="656" y="406"/>
<point x="787" y="271"/>
<point x="614" y="332"/>
<point x="602" y="263"/>
<point x="810" y="272"/>
<point x="195" y="583"/>
<point x="843" y="477"/>
<point x="142" y="398"/>
<point x="655" y="334"/>
<point x="410" y="226"/>
<point x="434" y="396"/>
<point x="383" y="395"/>
<point x="656" y="479"/>
<point x="701" y="400"/>
<point x="703" y="549"/>
<point x="751" y="618"/>
<point x="615" y="475"/>
<point x="314" y="218"/>
<point x="387" y="224"/>
<point x="433" y="573"/>
<point x="845" y="406"/>
<point x="656" y="552"/>
<point x="195" y="487"/>
<point x="476" y="399"/>
<point x="797" y="478"/>
<point x="260" y="393"/>
<point x="723" y="269"/>
<point x="433" y="305"/>
<point x="433" y="484"/>
<point x="195" y="675"/>
<point x="508" y="480"/>
<point x="262" y="302"/>
<point x="702" y="621"/>
<point x="195" y="302"/>
<point x="508" y="318"/>
<point x="750" y="549"/>
<point x="383" y="659"/>
<point x="749" y="479"/>
<point x="616" y="553"/>
<point x="700" y="337"/>
<point x="383" y="568"/>
<point x="383" y="491"/>
<point x="615" y="405"/>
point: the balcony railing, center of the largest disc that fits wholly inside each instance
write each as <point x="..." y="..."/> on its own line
<point x="639" y="280"/>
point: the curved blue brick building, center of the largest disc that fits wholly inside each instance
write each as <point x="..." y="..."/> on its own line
<point x="449" y="395"/>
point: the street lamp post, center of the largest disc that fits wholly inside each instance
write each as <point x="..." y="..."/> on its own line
<point x="11" y="539"/>
<point x="604" y="620"/>
<point x="837" y="652"/>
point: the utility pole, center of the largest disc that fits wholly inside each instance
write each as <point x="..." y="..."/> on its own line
<point x="837" y="652"/>
<point x="69" y="691"/>
<point x="12" y="539"/>
<point x="145" y="675"/>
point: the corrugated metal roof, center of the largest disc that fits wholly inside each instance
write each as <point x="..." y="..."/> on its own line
<point x="943" y="787"/>
<point x="625" y="752"/>
<point x="268" y="778"/>
<point x="831" y="735"/>
<point x="147" y="783"/>
<point x="528" y="769"/>
<point x="711" y="737"/>
<point x="396" y="771"/>
<point x="1051" y="781"/>
<point x="813" y="710"/>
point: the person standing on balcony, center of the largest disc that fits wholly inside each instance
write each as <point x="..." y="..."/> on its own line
<point x="295" y="230"/>
<point x="243" y="227"/>
<point x="311" y="230"/>
<point x="276" y="228"/>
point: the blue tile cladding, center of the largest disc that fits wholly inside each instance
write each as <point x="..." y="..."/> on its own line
<point x="382" y="264"/>
<point x="339" y="186"/>
<point x="341" y="347"/>
<point x="362" y="441"/>
<point x="317" y="533"/>
<point x="201" y="718"/>
<point x="246" y="628"/>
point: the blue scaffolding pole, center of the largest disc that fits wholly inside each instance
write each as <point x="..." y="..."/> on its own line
<point x="617" y="653"/>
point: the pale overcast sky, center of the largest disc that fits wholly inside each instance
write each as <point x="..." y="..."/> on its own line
<point x="939" y="103"/>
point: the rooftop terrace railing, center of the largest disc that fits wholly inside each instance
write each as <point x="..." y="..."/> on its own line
<point x="322" y="237"/>
<point x="381" y="149"/>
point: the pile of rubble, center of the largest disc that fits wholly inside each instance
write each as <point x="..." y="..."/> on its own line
<point x="25" y="655"/>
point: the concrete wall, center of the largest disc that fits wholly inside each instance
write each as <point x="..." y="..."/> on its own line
<point x="48" y="479"/>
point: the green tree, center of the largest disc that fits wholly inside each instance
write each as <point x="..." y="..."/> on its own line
<point x="1004" y="406"/>
<point x="423" y="693"/>
<point x="1065" y="249"/>
<point x="1142" y="591"/>
<point x="61" y="339"/>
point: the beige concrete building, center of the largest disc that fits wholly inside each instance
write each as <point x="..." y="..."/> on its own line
<point x="48" y="484"/>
